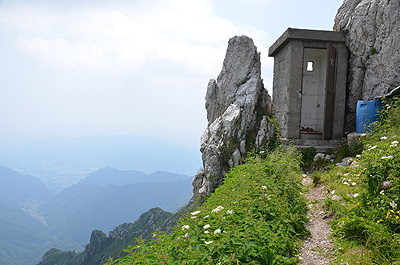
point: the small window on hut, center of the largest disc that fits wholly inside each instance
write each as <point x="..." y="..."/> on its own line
<point x="310" y="66"/>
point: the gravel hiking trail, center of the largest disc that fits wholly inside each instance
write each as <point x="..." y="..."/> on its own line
<point x="317" y="248"/>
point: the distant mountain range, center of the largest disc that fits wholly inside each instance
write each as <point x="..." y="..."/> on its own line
<point x="73" y="213"/>
<point x="61" y="162"/>
<point x="101" y="246"/>
<point x="103" y="200"/>
<point x="109" y="175"/>
<point x="23" y="238"/>
<point x="16" y="188"/>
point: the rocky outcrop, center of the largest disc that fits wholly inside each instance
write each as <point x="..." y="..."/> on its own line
<point x="372" y="29"/>
<point x="238" y="107"/>
<point x="102" y="247"/>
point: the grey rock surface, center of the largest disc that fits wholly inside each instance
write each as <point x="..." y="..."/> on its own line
<point x="372" y="29"/>
<point x="320" y="156"/>
<point x="345" y="162"/>
<point x="237" y="107"/>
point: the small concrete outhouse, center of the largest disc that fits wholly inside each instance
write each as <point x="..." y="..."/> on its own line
<point x="309" y="84"/>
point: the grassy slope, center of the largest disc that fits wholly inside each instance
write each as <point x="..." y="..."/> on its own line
<point x="367" y="215"/>
<point x="257" y="216"/>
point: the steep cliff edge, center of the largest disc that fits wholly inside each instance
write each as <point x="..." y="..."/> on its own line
<point x="372" y="29"/>
<point x="238" y="108"/>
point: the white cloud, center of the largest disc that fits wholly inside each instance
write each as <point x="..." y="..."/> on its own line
<point x="130" y="67"/>
<point x="99" y="39"/>
<point x="255" y="1"/>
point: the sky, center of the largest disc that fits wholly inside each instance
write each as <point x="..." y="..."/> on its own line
<point x="129" y="67"/>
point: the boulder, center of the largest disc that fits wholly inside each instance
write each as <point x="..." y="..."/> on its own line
<point x="345" y="162"/>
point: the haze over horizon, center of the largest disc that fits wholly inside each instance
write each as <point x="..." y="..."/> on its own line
<point x="80" y="68"/>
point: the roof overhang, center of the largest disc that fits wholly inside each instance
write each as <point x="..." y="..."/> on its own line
<point x="305" y="34"/>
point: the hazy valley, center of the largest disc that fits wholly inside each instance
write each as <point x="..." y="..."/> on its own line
<point x="62" y="214"/>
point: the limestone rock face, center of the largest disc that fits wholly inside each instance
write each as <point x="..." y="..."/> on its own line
<point x="372" y="29"/>
<point x="237" y="107"/>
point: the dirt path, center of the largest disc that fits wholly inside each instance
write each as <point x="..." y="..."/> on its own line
<point x="317" y="248"/>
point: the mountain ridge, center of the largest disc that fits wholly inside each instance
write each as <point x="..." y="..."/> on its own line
<point x="110" y="175"/>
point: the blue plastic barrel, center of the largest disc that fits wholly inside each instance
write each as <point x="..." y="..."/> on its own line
<point x="367" y="113"/>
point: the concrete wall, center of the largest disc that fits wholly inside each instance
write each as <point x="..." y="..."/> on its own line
<point x="287" y="85"/>
<point x="342" y="58"/>
<point x="287" y="102"/>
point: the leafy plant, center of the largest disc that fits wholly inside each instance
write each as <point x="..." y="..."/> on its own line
<point x="345" y="150"/>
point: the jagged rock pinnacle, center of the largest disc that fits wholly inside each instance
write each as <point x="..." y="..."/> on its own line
<point x="237" y="107"/>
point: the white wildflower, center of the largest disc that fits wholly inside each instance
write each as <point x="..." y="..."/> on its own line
<point x="383" y="138"/>
<point x="333" y="192"/>
<point x="230" y="212"/>
<point x="373" y="147"/>
<point x="206" y="226"/>
<point x="345" y="183"/>
<point x="219" y="208"/>
<point x="395" y="142"/>
<point x="206" y="216"/>
<point x="393" y="204"/>
<point x="358" y="156"/>
<point x="382" y="192"/>
<point x="217" y="231"/>
<point x="264" y="187"/>
<point x="353" y="184"/>
<point x="206" y="232"/>
<point x="185" y="227"/>
<point x="208" y="242"/>
<point x="196" y="212"/>
<point x="355" y="195"/>
<point x="386" y="157"/>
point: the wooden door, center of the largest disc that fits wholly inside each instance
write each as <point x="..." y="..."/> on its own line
<point x="330" y="93"/>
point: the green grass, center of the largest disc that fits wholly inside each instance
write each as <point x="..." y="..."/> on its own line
<point x="366" y="226"/>
<point x="257" y="216"/>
